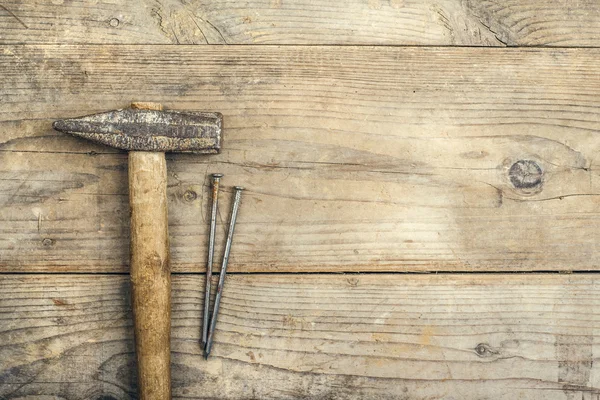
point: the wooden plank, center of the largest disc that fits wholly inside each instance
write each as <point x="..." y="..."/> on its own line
<point x="355" y="158"/>
<point x="310" y="336"/>
<point x="390" y="22"/>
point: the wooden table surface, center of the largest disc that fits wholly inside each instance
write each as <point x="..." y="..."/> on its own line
<point x="421" y="212"/>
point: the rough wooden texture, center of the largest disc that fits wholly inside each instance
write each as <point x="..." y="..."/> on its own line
<point x="150" y="273"/>
<point x="500" y="337"/>
<point x="355" y="158"/>
<point x="391" y="22"/>
<point x="150" y="269"/>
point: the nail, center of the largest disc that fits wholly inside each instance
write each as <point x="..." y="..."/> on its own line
<point x="213" y="321"/>
<point x="216" y="178"/>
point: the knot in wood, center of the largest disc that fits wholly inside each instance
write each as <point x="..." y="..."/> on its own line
<point x="190" y="195"/>
<point x="525" y="174"/>
<point x="484" y="350"/>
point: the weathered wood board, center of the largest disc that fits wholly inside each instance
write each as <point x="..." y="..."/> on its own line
<point x="355" y="158"/>
<point x="380" y="336"/>
<point x="390" y="22"/>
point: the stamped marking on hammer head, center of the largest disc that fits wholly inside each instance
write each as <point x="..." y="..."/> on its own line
<point x="149" y="130"/>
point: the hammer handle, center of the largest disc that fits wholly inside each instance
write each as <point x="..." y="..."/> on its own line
<point x="150" y="273"/>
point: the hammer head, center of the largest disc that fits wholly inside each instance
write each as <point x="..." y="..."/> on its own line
<point x="149" y="130"/>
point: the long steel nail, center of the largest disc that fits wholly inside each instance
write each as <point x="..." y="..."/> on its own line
<point x="213" y="321"/>
<point x="216" y="178"/>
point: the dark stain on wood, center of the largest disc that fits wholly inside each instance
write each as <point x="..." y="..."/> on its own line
<point x="60" y="302"/>
<point x="25" y="186"/>
<point x="575" y="361"/>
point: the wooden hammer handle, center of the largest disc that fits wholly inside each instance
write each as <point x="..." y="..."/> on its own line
<point x="150" y="273"/>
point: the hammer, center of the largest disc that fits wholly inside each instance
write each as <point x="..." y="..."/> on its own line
<point x="147" y="132"/>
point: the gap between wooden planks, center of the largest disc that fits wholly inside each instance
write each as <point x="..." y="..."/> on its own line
<point x="389" y="22"/>
<point x="355" y="158"/>
<point x="500" y="336"/>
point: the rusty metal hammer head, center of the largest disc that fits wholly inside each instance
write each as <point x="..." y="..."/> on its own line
<point x="149" y="130"/>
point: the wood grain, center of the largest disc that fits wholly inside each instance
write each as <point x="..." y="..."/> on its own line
<point x="150" y="272"/>
<point x="313" y="337"/>
<point x="355" y="158"/>
<point x="390" y="22"/>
